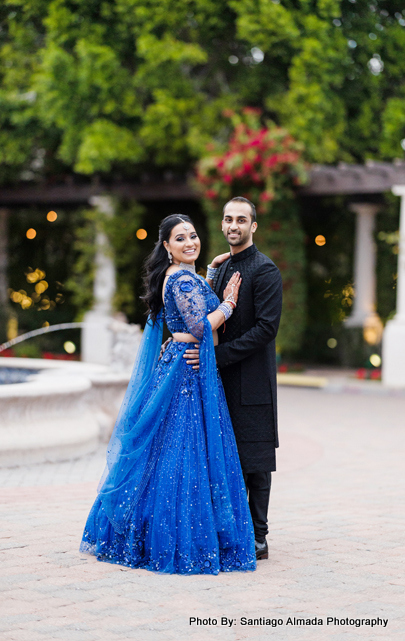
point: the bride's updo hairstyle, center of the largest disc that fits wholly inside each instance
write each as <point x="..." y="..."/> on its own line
<point x="157" y="263"/>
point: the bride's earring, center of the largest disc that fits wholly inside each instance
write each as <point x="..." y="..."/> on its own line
<point x="170" y="256"/>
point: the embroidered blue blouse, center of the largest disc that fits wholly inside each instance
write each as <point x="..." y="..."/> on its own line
<point x="188" y="299"/>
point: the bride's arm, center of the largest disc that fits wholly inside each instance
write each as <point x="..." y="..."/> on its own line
<point x="191" y="303"/>
<point x="216" y="318"/>
<point x="212" y="268"/>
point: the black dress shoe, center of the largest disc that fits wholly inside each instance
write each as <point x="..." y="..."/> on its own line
<point x="262" y="550"/>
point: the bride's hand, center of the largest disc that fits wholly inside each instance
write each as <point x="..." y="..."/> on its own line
<point x="232" y="288"/>
<point x="218" y="260"/>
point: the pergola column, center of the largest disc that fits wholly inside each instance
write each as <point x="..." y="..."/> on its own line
<point x="365" y="255"/>
<point x="4" y="297"/>
<point x="97" y="338"/>
<point x="393" y="371"/>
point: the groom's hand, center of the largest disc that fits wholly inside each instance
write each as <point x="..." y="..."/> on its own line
<point x="193" y="356"/>
<point x="164" y="347"/>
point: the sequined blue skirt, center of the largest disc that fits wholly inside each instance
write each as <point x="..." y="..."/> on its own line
<point x="174" y="527"/>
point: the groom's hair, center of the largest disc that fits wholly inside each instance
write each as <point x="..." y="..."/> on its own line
<point x="241" y="199"/>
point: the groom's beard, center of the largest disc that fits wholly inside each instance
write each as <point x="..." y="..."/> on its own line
<point x="241" y="239"/>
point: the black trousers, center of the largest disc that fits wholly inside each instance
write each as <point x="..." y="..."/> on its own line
<point x="258" y="486"/>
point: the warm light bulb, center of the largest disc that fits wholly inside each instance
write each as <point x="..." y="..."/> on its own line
<point x="141" y="234"/>
<point x="375" y="360"/>
<point x="41" y="287"/>
<point x="31" y="233"/>
<point x="69" y="347"/>
<point x="320" y="240"/>
<point x="51" y="216"/>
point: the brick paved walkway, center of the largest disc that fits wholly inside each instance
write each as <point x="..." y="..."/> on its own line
<point x="337" y="543"/>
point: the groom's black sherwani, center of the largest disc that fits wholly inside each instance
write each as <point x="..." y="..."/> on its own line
<point x="246" y="356"/>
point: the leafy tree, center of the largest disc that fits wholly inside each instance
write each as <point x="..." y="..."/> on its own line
<point x="116" y="87"/>
<point x="101" y="86"/>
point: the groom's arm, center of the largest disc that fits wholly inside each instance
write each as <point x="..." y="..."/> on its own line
<point x="267" y="300"/>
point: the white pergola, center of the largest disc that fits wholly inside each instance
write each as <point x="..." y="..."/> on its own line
<point x="394" y="333"/>
<point x="363" y="182"/>
<point x="371" y="179"/>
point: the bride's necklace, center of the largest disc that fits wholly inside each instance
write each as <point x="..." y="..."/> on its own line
<point x="190" y="268"/>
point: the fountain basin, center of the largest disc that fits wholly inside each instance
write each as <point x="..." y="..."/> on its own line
<point x="61" y="411"/>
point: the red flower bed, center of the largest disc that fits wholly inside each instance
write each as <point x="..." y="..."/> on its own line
<point x="60" y="357"/>
<point x="368" y="374"/>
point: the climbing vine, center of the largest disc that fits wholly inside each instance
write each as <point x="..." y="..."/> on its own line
<point x="263" y="163"/>
<point x="120" y="230"/>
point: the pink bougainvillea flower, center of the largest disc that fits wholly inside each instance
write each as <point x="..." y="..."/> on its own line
<point x="255" y="111"/>
<point x="256" y="177"/>
<point x="266" y="196"/>
<point x="273" y="160"/>
<point x="262" y="159"/>
<point x="211" y="193"/>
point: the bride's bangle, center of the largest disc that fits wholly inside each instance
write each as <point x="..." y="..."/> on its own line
<point x="211" y="271"/>
<point x="231" y="301"/>
<point x="231" y="298"/>
<point x="226" y="308"/>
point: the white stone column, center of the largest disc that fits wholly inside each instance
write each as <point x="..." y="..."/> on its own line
<point x="4" y="299"/>
<point x="363" y="312"/>
<point x="97" y="338"/>
<point x="393" y="355"/>
<point x="5" y="311"/>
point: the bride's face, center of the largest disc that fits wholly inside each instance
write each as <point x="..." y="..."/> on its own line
<point x="184" y="244"/>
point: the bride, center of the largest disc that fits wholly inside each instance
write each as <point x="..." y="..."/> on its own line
<point x="172" y="498"/>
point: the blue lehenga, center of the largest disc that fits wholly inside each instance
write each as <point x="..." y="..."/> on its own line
<point x="172" y="498"/>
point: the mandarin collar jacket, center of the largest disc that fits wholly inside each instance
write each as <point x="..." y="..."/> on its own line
<point x="246" y="354"/>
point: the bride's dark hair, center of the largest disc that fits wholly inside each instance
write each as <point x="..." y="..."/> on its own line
<point x="157" y="263"/>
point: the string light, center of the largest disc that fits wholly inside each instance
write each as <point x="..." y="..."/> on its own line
<point x="69" y="347"/>
<point x="141" y="234"/>
<point x="34" y="276"/>
<point x="31" y="233"/>
<point x="51" y="216"/>
<point x="320" y="240"/>
<point x="41" y="287"/>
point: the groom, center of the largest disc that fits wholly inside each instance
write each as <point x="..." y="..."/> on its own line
<point x="246" y="357"/>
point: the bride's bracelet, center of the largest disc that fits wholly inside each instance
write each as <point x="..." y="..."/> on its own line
<point x="211" y="271"/>
<point x="230" y="300"/>
<point x="226" y="308"/>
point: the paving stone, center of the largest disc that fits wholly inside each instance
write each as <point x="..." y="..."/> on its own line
<point x="336" y="542"/>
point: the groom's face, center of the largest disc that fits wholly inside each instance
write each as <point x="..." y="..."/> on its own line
<point x="237" y="225"/>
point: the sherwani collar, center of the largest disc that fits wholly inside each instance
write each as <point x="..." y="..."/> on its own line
<point x="233" y="259"/>
<point x="245" y="254"/>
